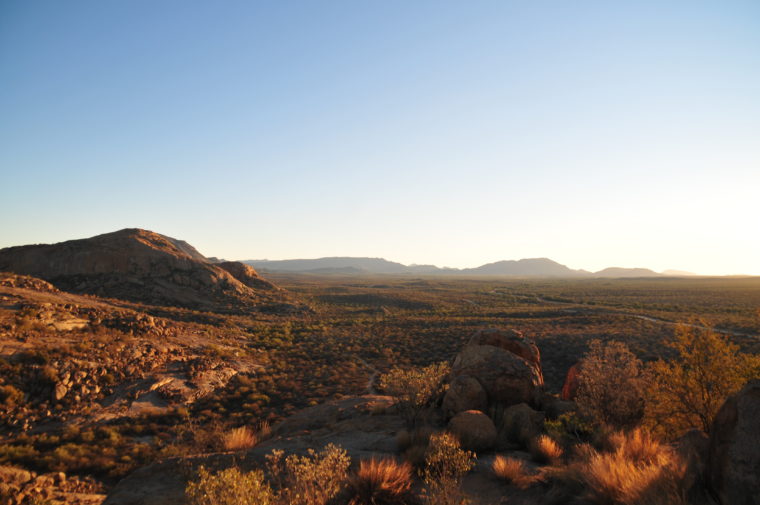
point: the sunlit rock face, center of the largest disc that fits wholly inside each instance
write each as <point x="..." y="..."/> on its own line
<point x="505" y="364"/>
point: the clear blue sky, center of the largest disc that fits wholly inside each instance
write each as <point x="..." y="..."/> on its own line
<point x="596" y="133"/>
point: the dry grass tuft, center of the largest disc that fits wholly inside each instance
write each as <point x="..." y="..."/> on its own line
<point x="546" y="450"/>
<point x="382" y="482"/>
<point x="244" y="438"/>
<point x="637" y="445"/>
<point x="636" y="469"/>
<point x="512" y="471"/>
<point x="240" y="439"/>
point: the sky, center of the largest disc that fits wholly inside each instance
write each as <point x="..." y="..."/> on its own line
<point x="595" y="133"/>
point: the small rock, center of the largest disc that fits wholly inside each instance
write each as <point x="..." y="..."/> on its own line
<point x="59" y="391"/>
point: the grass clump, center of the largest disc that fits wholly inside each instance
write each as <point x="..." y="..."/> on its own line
<point x="239" y="439"/>
<point x="382" y="482"/>
<point x="512" y="471"/>
<point x="545" y="449"/>
<point x="634" y="469"/>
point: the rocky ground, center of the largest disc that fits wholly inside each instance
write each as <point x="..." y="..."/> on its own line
<point x="76" y="362"/>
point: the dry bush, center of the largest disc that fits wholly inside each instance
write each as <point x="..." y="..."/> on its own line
<point x="415" y="390"/>
<point x="513" y="471"/>
<point x="312" y="479"/>
<point x="636" y="470"/>
<point x="545" y="449"/>
<point x="230" y="487"/>
<point x="611" y="385"/>
<point x="446" y="463"/>
<point x="382" y="482"/>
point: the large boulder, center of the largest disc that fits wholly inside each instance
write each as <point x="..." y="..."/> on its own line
<point x="464" y="393"/>
<point x="734" y="458"/>
<point x="509" y="340"/>
<point x="692" y="447"/>
<point x="505" y="363"/>
<point x="475" y="430"/>
<point x="522" y="424"/>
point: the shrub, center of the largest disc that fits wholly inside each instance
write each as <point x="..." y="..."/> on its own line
<point x="382" y="482"/>
<point x="688" y="391"/>
<point x="570" y="427"/>
<point x="10" y="396"/>
<point x="512" y="470"/>
<point x="611" y="384"/>
<point x="446" y="463"/>
<point x="230" y="487"/>
<point x="415" y="389"/>
<point x="636" y="469"/>
<point x="545" y="450"/>
<point x="312" y="479"/>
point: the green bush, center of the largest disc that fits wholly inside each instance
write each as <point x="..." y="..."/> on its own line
<point x="446" y="463"/>
<point x="230" y="487"/>
<point x="415" y="389"/>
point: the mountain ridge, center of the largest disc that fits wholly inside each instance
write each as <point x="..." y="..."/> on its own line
<point x="526" y="267"/>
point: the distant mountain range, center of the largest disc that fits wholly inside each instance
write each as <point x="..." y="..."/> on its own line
<point x="531" y="267"/>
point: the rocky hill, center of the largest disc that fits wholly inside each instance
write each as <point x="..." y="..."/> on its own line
<point x="143" y="266"/>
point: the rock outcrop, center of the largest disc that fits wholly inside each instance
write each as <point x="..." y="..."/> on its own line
<point x="18" y="486"/>
<point x="505" y="364"/>
<point x="734" y="458"/>
<point x="570" y="387"/>
<point x="143" y="266"/>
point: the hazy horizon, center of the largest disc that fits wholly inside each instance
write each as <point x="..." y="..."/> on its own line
<point x="595" y="134"/>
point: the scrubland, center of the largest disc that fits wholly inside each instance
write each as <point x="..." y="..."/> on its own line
<point x="359" y="329"/>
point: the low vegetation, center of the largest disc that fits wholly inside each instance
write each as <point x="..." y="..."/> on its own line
<point x="415" y="389"/>
<point x="361" y="343"/>
<point x="512" y="471"/>
<point x="546" y="450"/>
<point x="382" y="482"/>
<point x="686" y="391"/>
<point x="634" y="469"/>
<point x="446" y="463"/>
<point x="230" y="487"/>
<point x="611" y="385"/>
